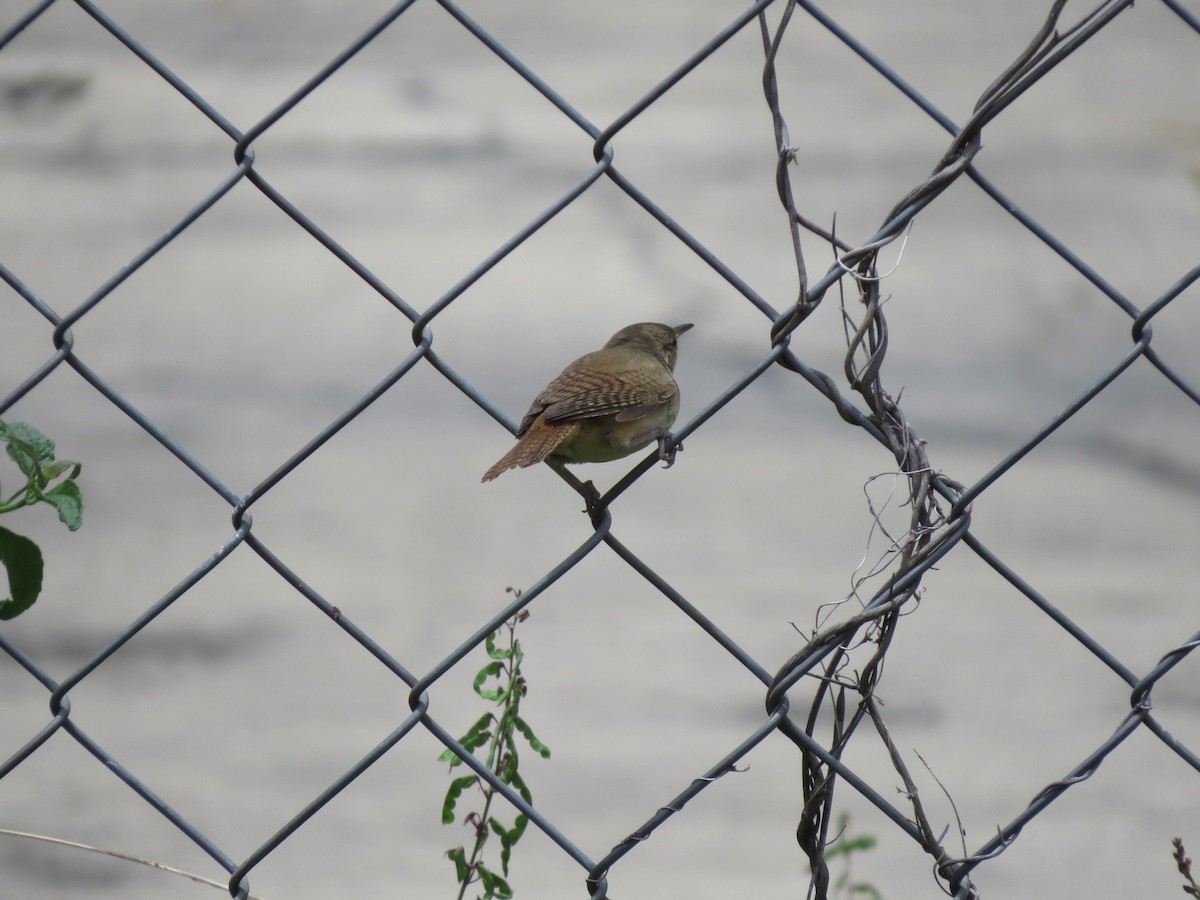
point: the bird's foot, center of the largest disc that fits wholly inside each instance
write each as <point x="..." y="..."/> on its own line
<point x="665" y="454"/>
<point x="591" y="497"/>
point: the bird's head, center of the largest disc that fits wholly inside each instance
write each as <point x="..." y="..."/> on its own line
<point x="660" y="340"/>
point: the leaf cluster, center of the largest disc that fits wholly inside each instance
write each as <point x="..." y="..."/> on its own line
<point x="47" y="480"/>
<point x="501" y="683"/>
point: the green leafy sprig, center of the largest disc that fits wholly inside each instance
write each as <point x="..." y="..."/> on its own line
<point x="501" y="683"/>
<point x="47" y="480"/>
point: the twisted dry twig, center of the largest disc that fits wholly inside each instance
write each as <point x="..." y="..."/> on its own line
<point x="929" y="534"/>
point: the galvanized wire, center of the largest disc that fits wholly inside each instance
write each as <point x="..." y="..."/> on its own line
<point x="941" y="508"/>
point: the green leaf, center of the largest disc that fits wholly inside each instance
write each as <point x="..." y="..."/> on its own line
<point x="478" y="734"/>
<point x="494" y="885"/>
<point x="478" y="740"/>
<point x="865" y="889"/>
<point x="509" y="767"/>
<point x="523" y="727"/>
<point x="457" y="786"/>
<point x="518" y="828"/>
<point x="67" y="499"/>
<point x="845" y="846"/>
<point x="56" y="468"/>
<point x="862" y="842"/>
<point x="451" y="757"/>
<point x="23" y="561"/>
<point x="500" y="831"/>
<point x="459" y="857"/>
<point x="508" y="837"/>
<point x="493" y="651"/>
<point x="27" y="447"/>
<point x="523" y="789"/>
<point x="505" y="844"/>
<point x="492" y="669"/>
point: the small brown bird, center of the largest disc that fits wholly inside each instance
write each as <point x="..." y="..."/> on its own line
<point x="605" y="405"/>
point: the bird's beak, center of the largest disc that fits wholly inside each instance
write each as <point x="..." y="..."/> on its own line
<point x="680" y="329"/>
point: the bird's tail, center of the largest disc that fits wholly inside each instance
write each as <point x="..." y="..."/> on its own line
<point x="535" y="445"/>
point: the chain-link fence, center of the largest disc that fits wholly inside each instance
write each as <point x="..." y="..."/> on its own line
<point x="1029" y="585"/>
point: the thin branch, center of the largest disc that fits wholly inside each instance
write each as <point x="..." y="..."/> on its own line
<point x="116" y="854"/>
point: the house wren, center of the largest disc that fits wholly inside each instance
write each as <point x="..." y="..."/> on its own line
<point x="605" y="405"/>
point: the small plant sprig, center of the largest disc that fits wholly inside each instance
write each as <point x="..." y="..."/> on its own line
<point x="845" y="846"/>
<point x="1185" y="868"/>
<point x="47" y="480"/>
<point x="501" y="683"/>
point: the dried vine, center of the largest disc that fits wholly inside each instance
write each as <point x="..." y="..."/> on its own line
<point x="931" y="529"/>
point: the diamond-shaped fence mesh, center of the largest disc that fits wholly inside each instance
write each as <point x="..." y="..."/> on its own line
<point x="928" y="559"/>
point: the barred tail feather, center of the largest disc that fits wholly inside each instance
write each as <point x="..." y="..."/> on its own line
<point x="535" y="445"/>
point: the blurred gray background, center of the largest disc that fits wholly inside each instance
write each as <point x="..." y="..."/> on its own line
<point x="245" y="337"/>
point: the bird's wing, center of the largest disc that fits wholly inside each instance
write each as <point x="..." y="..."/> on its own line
<point x="584" y="395"/>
